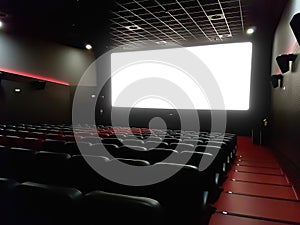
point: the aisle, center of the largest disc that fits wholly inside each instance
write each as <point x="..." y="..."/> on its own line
<point x="257" y="192"/>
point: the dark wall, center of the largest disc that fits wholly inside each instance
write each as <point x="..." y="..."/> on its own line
<point x="44" y="58"/>
<point x="286" y="101"/>
<point x="48" y="105"/>
<point x="53" y="104"/>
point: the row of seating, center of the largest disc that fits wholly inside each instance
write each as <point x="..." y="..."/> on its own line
<point x="55" y="168"/>
<point x="32" y="203"/>
<point x="184" y="196"/>
<point x="26" y="131"/>
<point x="222" y="158"/>
<point x="57" y="145"/>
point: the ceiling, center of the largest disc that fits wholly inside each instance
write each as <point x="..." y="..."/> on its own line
<point x="136" y="23"/>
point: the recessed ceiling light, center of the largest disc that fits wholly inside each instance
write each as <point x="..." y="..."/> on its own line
<point x="88" y="46"/>
<point x="225" y="35"/>
<point x="216" y="17"/>
<point x="1" y="24"/>
<point x="251" y="30"/>
<point x="161" y="42"/>
<point x="133" y="27"/>
<point x="17" y="90"/>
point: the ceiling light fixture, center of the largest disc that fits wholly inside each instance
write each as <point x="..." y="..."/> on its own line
<point x="225" y="35"/>
<point x="88" y="46"/>
<point x="1" y="24"/>
<point x="161" y="42"/>
<point x="251" y="30"/>
<point x="133" y="27"/>
<point x="216" y="17"/>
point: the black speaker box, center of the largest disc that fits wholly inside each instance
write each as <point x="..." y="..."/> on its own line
<point x="283" y="62"/>
<point x="38" y="85"/>
<point x="275" y="79"/>
<point x="295" y="25"/>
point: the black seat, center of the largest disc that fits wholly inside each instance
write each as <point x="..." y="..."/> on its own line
<point x="40" y="204"/>
<point x="72" y="147"/>
<point x="49" y="168"/>
<point x="107" y="150"/>
<point x="156" y="144"/>
<point x="132" y="152"/>
<point x="6" y="206"/>
<point x="84" y="177"/>
<point x="32" y="143"/>
<point x="92" y="140"/>
<point x="133" y="142"/>
<point x="53" y="145"/>
<point x="159" y="155"/>
<point x="153" y="138"/>
<point x="132" y="162"/>
<point x="15" y="163"/>
<point x="120" y="209"/>
<point x="111" y="140"/>
<point x="182" y="147"/>
<point x="183" y="195"/>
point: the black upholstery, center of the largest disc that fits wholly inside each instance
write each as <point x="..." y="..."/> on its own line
<point x="120" y="209"/>
<point x="49" y="168"/>
<point x="40" y="204"/>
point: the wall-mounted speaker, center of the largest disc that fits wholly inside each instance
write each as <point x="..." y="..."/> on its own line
<point x="295" y="25"/>
<point x="276" y="80"/>
<point x="38" y="85"/>
<point x="283" y="61"/>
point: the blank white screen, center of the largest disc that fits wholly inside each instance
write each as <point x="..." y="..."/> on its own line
<point x="230" y="65"/>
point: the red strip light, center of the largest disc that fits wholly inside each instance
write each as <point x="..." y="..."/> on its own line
<point x="34" y="76"/>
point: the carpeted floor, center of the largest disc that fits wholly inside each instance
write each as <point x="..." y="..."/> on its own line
<point x="257" y="192"/>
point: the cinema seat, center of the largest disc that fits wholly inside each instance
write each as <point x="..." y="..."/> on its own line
<point x="159" y="155"/>
<point x="53" y="136"/>
<point x="6" y="206"/>
<point x="49" y="168"/>
<point x="15" y="163"/>
<point x="194" y="142"/>
<point x="107" y="150"/>
<point x="36" y="134"/>
<point x="183" y="195"/>
<point x="82" y="176"/>
<point x="69" y="138"/>
<point x="171" y="140"/>
<point x="153" y="138"/>
<point x="40" y="204"/>
<point x="114" y="141"/>
<point x="132" y="162"/>
<point x="22" y="133"/>
<point x="72" y="148"/>
<point x="32" y="143"/>
<point x="110" y="208"/>
<point x="182" y="147"/>
<point x="211" y="173"/>
<point x="11" y="132"/>
<point x="133" y="142"/>
<point x="53" y="145"/>
<point x="132" y="152"/>
<point x="92" y="140"/>
<point x="156" y="144"/>
<point x="12" y="141"/>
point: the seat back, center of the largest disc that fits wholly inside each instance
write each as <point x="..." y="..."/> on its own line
<point x="49" y="168"/>
<point x="120" y="209"/>
<point x="40" y="204"/>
